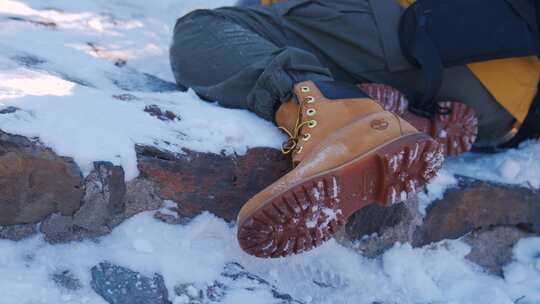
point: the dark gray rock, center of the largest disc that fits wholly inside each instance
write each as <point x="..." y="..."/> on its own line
<point x="17" y="232"/>
<point x="9" y="110"/>
<point x="490" y="217"/>
<point x="107" y="202"/>
<point x="67" y="280"/>
<point x="35" y="182"/>
<point x="189" y="292"/>
<point x="141" y="195"/>
<point x="492" y="247"/>
<point x="233" y="277"/>
<point x="477" y="204"/>
<point x="119" y="285"/>
<point x="103" y="199"/>
<point x="375" y="229"/>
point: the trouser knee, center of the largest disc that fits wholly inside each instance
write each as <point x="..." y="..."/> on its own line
<point x="189" y="33"/>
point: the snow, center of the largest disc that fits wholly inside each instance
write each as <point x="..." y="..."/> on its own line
<point x="65" y="81"/>
<point x="516" y="166"/>
<point x="73" y="97"/>
<point x="196" y="253"/>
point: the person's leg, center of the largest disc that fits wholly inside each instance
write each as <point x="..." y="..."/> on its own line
<point x="339" y="137"/>
<point x="231" y="64"/>
<point x="358" y="40"/>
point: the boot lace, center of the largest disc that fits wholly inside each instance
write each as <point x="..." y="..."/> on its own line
<point x="291" y="143"/>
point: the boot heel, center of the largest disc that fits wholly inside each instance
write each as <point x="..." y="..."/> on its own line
<point x="456" y="132"/>
<point x="408" y="164"/>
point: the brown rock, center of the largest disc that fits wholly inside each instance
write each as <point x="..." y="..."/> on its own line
<point x="477" y="204"/>
<point x="35" y="182"/>
<point x="209" y="182"/>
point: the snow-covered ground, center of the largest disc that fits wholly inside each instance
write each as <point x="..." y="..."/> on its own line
<point x="68" y="67"/>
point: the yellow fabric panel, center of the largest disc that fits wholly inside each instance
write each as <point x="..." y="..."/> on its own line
<point x="405" y="3"/>
<point x="513" y="82"/>
<point x="268" y="2"/>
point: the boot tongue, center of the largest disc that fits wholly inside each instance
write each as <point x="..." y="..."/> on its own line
<point x="287" y="114"/>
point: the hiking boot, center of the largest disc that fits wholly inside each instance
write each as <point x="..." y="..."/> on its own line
<point x="456" y="131"/>
<point x="347" y="152"/>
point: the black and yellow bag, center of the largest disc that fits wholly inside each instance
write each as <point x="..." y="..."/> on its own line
<point x="436" y="34"/>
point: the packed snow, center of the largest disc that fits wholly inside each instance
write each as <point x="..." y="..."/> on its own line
<point x="196" y="254"/>
<point x="70" y="83"/>
<point x="81" y="73"/>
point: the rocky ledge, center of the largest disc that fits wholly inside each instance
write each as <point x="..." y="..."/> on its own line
<point x="43" y="192"/>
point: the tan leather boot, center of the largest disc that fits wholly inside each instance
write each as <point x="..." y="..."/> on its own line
<point x="348" y="153"/>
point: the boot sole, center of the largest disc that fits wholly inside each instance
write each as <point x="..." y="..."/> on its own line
<point x="456" y="132"/>
<point x="311" y="211"/>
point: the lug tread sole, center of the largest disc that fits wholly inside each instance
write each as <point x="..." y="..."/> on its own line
<point x="308" y="213"/>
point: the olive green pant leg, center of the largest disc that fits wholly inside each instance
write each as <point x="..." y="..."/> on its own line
<point x="354" y="40"/>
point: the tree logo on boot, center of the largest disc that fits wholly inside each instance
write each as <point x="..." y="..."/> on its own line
<point x="379" y="124"/>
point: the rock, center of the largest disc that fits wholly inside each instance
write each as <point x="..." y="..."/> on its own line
<point x="155" y="111"/>
<point x="477" y="204"/>
<point x="61" y="229"/>
<point x="107" y="202"/>
<point x="491" y="248"/>
<point x="48" y="24"/>
<point x="189" y="292"/>
<point x="236" y="276"/>
<point x="125" y="97"/>
<point x="67" y="280"/>
<point x="103" y="198"/>
<point x="376" y="229"/>
<point x="490" y="217"/>
<point x="216" y="292"/>
<point x="141" y="195"/>
<point x="17" y="232"/>
<point x="119" y="285"/>
<point x="9" y="110"/>
<point x="209" y="182"/>
<point x="233" y="277"/>
<point x="35" y="182"/>
<point x="28" y="60"/>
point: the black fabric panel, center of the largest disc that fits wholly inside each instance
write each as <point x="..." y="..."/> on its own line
<point x="339" y="90"/>
<point x="467" y="31"/>
<point x="446" y="33"/>
<point x="523" y="9"/>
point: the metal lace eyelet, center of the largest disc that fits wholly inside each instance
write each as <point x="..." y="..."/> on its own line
<point x="312" y="124"/>
<point x="311" y="112"/>
<point x="305" y="89"/>
<point x="306" y="137"/>
<point x="309" y="99"/>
